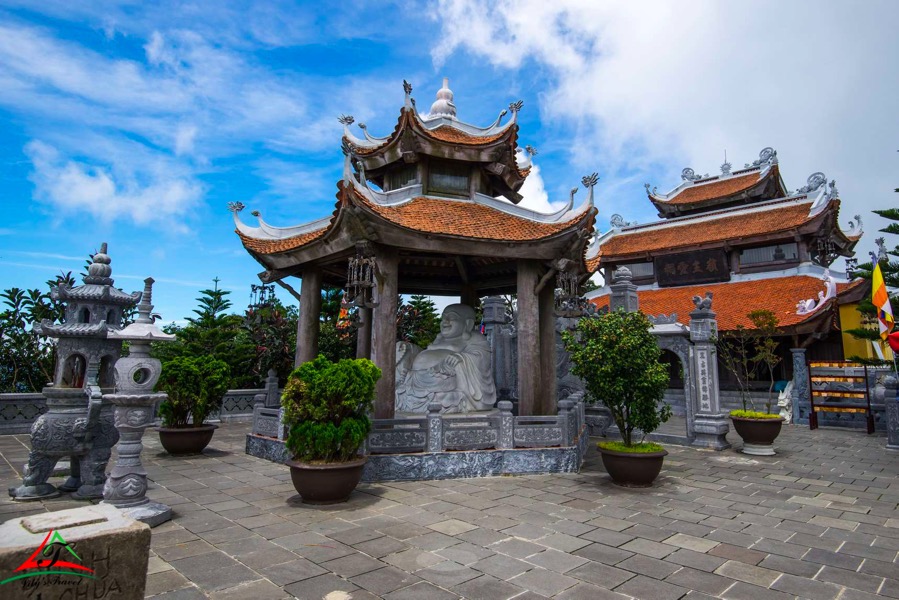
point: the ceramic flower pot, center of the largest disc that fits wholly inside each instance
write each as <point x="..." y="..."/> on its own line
<point x="186" y="440"/>
<point x="327" y="483"/>
<point x="633" y="469"/>
<point x="758" y="434"/>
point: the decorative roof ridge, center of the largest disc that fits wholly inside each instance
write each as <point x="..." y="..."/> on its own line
<point x="763" y="172"/>
<point x="410" y="193"/>
<point x="713" y="215"/>
<point x="268" y="232"/>
<point x="767" y="159"/>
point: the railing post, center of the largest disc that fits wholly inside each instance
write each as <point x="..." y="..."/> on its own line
<point x="567" y="421"/>
<point x="506" y="424"/>
<point x="435" y="427"/>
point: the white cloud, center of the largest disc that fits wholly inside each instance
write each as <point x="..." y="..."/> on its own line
<point x="78" y="188"/>
<point x="652" y="87"/>
<point x="535" y="196"/>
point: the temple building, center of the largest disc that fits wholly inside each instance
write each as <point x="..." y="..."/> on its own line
<point x="432" y="208"/>
<point x="743" y="236"/>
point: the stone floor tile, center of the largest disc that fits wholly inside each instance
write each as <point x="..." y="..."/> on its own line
<point x="291" y="571"/>
<point x="356" y="535"/>
<point x="421" y="591"/>
<point x="690" y="542"/>
<point x="744" y="555"/>
<point x="693" y="579"/>
<point x="447" y="574"/>
<point x="165" y="581"/>
<point x="452" y="527"/>
<point x="586" y="591"/>
<point x="257" y="590"/>
<point x="319" y="587"/>
<point x="384" y="580"/>
<point x="482" y="537"/>
<point x="486" y="587"/>
<point x="544" y="582"/>
<point x="790" y="565"/>
<point x="757" y="576"/>
<point x="432" y="541"/>
<point x="695" y="560"/>
<point x="745" y="591"/>
<point x="554" y="560"/>
<point x="214" y="571"/>
<point x="648" y="548"/>
<point x="562" y="542"/>
<point x="465" y="553"/>
<point x="651" y="567"/>
<point x="380" y="547"/>
<point x="806" y="588"/>
<point x="526" y="531"/>
<point x="517" y="548"/>
<point x="352" y="565"/>
<point x="601" y="575"/>
<point x="603" y="554"/>
<point x="188" y="593"/>
<point x="859" y="581"/>
<point x="646" y="588"/>
<point x="194" y="548"/>
<point x="502" y="566"/>
<point x="413" y="559"/>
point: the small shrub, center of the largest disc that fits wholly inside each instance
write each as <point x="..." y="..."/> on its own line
<point x="753" y="414"/>
<point x="195" y="386"/>
<point x="641" y="448"/>
<point x="326" y="406"/>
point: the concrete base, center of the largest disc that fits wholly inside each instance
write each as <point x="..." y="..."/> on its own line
<point x="758" y="450"/>
<point x="424" y="466"/>
<point x="112" y="552"/>
<point x="710" y="431"/>
<point x="151" y="513"/>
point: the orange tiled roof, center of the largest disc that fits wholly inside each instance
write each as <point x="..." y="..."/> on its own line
<point x="275" y="246"/>
<point x="465" y="219"/>
<point x="734" y="301"/>
<point x="715" y="189"/>
<point x="691" y="232"/>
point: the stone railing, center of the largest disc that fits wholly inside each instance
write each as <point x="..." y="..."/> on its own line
<point x="499" y="430"/>
<point x="237" y="404"/>
<point x="18" y="411"/>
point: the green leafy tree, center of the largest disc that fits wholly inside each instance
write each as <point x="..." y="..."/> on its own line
<point x="215" y="333"/>
<point x="195" y="386"/>
<point x="417" y="321"/>
<point x="271" y="329"/>
<point x="618" y="359"/>
<point x="745" y="351"/>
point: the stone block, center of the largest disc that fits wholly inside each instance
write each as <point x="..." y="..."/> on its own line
<point x="89" y="552"/>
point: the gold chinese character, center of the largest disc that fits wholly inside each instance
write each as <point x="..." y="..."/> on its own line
<point x="697" y="267"/>
<point x="669" y="269"/>
<point x="711" y="265"/>
<point x="683" y="268"/>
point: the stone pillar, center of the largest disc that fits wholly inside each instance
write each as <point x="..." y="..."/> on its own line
<point x="383" y="334"/>
<point x="801" y="396"/>
<point x="624" y="293"/>
<point x="891" y="408"/>
<point x="710" y="425"/>
<point x="506" y="425"/>
<point x="363" y="334"/>
<point x="272" y="393"/>
<point x="528" y="339"/>
<point x="494" y="318"/>
<point x="310" y="312"/>
<point x="435" y="427"/>
<point x="549" y="393"/>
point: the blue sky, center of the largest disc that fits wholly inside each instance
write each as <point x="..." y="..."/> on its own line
<point x="135" y="124"/>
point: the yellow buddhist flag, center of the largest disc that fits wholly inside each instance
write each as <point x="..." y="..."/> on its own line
<point x="881" y="301"/>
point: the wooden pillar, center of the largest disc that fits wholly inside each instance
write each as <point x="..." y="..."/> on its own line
<point x="383" y="332"/>
<point x="528" y="339"/>
<point x="363" y="334"/>
<point x="469" y="296"/>
<point x="547" y="328"/>
<point x="310" y="311"/>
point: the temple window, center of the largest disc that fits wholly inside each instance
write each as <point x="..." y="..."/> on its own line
<point x="768" y="254"/>
<point x="449" y="178"/>
<point x="84" y="316"/>
<point x="401" y="177"/>
<point x="73" y="372"/>
<point x="112" y="318"/>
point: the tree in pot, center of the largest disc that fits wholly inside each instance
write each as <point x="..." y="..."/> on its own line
<point x="195" y="386"/>
<point x="745" y="352"/>
<point x="326" y="407"/>
<point x="617" y="358"/>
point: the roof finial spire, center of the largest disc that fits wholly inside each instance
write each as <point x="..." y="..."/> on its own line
<point x="443" y="106"/>
<point x="726" y="166"/>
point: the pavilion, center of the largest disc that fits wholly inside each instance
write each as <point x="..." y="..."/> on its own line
<point x="432" y="208"/>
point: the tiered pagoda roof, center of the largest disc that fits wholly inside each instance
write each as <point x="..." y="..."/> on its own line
<point x="432" y="228"/>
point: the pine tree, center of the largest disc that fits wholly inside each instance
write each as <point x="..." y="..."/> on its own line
<point x="417" y="321"/>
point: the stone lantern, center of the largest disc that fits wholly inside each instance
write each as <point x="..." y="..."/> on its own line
<point x="78" y="422"/>
<point x="135" y="403"/>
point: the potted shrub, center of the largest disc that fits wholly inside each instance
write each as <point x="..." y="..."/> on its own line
<point x="745" y="352"/>
<point x="326" y="407"/>
<point x="195" y="387"/>
<point x="617" y="358"/>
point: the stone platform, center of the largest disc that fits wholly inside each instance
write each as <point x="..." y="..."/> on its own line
<point x="819" y="520"/>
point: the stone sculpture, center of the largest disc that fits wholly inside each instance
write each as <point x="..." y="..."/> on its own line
<point x="79" y="421"/>
<point x="455" y="371"/>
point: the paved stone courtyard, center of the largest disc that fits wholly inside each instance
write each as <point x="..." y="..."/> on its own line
<point x="819" y="520"/>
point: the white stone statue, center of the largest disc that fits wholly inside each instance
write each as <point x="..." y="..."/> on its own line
<point x="455" y="370"/>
